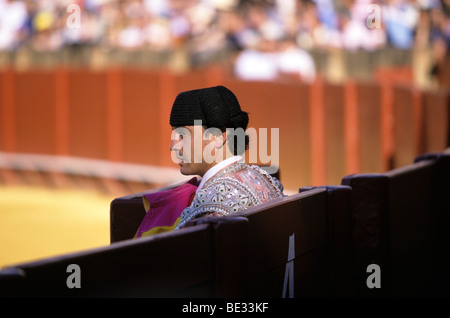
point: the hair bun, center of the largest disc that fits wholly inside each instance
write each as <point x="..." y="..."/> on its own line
<point x="239" y="120"/>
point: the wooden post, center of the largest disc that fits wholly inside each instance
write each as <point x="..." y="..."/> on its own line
<point x="62" y="111"/>
<point x="318" y="159"/>
<point x="114" y="115"/>
<point x="9" y="115"/>
<point x="351" y="128"/>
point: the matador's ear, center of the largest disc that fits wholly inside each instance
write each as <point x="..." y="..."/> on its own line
<point x="220" y="140"/>
<point x="218" y="137"/>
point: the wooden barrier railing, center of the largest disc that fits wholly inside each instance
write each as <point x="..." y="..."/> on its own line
<point x="399" y="219"/>
<point x="217" y="257"/>
<point x="326" y="130"/>
<point x="317" y="243"/>
<point x="288" y="247"/>
<point x="126" y="269"/>
<point x="295" y="224"/>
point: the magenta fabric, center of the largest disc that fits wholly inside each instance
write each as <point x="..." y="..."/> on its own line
<point x="166" y="206"/>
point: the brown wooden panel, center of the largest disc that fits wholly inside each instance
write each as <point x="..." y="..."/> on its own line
<point x="369" y="109"/>
<point x="394" y="217"/>
<point x="168" y="92"/>
<point x="334" y="133"/>
<point x="141" y="123"/>
<point x="12" y="281"/>
<point x="340" y="236"/>
<point x="88" y="114"/>
<point x="317" y="132"/>
<point x="443" y="75"/>
<point x="61" y="90"/>
<point x="310" y="280"/>
<point x="412" y="217"/>
<point x="282" y="107"/>
<point x="194" y="79"/>
<point x="441" y="206"/>
<point x="230" y="253"/>
<point x="436" y="120"/>
<point x="300" y="218"/>
<point x="405" y="146"/>
<point x="387" y="124"/>
<point x="35" y="112"/>
<point x="8" y="138"/>
<point x="370" y="218"/>
<point x="135" y="268"/>
<point x="126" y="215"/>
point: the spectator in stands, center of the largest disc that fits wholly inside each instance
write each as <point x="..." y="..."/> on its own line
<point x="277" y="59"/>
<point x="439" y="37"/>
<point x="209" y="140"/>
<point x="269" y="49"/>
<point x="13" y="17"/>
<point x="400" y="18"/>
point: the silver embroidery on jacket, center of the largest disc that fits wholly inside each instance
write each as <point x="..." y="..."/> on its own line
<point x="234" y="188"/>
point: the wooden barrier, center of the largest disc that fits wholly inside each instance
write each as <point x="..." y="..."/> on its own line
<point x="317" y="243"/>
<point x="436" y="120"/>
<point x="335" y="133"/>
<point x="8" y="139"/>
<point x="12" y="282"/>
<point x="263" y="252"/>
<point x="394" y="227"/>
<point x="230" y="254"/>
<point x="369" y="120"/>
<point x="126" y="214"/>
<point x="325" y="130"/>
<point x="294" y="224"/>
<point x="287" y="247"/>
<point x="129" y="269"/>
<point x="141" y="117"/>
<point x="369" y="227"/>
<point x="407" y="115"/>
<point x="441" y="210"/>
<point x="340" y="239"/>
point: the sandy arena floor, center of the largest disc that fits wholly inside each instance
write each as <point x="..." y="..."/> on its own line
<point x="36" y="223"/>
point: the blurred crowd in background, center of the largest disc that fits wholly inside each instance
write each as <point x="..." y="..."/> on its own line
<point x="258" y="31"/>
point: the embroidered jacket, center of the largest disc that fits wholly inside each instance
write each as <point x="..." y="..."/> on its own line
<point x="232" y="189"/>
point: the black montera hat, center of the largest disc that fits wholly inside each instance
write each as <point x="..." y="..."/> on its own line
<point x="215" y="106"/>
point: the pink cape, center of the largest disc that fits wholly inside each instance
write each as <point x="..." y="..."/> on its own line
<point x="166" y="208"/>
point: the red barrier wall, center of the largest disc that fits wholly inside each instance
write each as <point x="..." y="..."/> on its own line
<point x="369" y="118"/>
<point x="35" y="112"/>
<point x="325" y="130"/>
<point x="88" y="114"/>
<point x="284" y="107"/>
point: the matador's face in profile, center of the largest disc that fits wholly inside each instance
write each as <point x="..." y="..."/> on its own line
<point x="196" y="149"/>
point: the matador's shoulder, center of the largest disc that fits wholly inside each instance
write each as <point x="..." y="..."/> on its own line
<point x="224" y="195"/>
